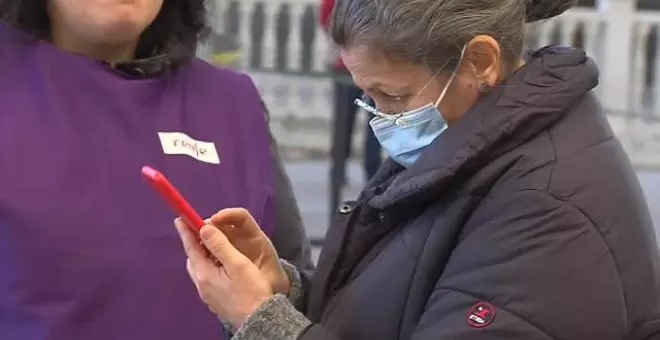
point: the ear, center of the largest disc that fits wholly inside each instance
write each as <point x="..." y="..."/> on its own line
<point x="484" y="59"/>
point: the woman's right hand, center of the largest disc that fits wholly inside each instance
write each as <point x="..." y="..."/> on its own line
<point x="247" y="237"/>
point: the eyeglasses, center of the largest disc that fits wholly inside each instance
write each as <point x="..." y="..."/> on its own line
<point x="363" y="103"/>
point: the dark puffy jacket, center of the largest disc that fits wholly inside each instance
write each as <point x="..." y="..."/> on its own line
<point x="524" y="220"/>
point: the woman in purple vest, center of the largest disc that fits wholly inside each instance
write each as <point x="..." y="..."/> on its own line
<point x="91" y="90"/>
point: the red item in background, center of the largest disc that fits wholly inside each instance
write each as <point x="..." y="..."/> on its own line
<point x="325" y="13"/>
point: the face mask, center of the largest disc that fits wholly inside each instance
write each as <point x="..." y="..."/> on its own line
<point x="404" y="136"/>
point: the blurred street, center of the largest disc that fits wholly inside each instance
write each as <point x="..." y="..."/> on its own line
<point x="310" y="182"/>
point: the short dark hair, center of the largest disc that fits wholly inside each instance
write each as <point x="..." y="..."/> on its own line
<point x="177" y="29"/>
<point x="432" y="32"/>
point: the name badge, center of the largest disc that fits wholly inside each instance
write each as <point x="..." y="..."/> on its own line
<point x="178" y="143"/>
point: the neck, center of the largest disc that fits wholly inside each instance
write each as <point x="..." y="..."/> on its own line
<point x="67" y="41"/>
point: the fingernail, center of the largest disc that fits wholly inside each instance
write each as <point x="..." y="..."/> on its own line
<point x="206" y="233"/>
<point x="178" y="224"/>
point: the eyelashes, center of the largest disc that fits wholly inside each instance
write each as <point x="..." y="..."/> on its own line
<point x="393" y="97"/>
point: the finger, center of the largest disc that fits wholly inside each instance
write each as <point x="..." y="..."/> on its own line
<point x="185" y="233"/>
<point x="201" y="268"/>
<point x="237" y="218"/>
<point x="183" y="221"/>
<point x="194" y="250"/>
<point x="221" y="248"/>
<point x="191" y="273"/>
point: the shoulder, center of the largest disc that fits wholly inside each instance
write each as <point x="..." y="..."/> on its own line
<point x="224" y="79"/>
<point x="13" y="36"/>
<point x="575" y="174"/>
<point x="6" y="32"/>
<point x="580" y="162"/>
<point x="576" y="160"/>
<point x="17" y="51"/>
<point x="217" y="85"/>
<point x="12" y="42"/>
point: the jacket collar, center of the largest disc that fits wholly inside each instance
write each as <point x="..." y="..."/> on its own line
<point x="146" y="67"/>
<point x="532" y="99"/>
<point x="155" y="62"/>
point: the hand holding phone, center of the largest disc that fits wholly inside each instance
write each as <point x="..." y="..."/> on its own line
<point x="172" y="196"/>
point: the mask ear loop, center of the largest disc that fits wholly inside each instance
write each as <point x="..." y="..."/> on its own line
<point x="398" y="118"/>
<point x="451" y="78"/>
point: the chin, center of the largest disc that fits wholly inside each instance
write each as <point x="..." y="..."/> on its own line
<point x="119" y="32"/>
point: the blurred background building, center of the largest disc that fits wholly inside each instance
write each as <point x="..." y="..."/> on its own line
<point x="282" y="46"/>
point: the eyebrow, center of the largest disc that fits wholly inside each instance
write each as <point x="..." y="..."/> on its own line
<point x="380" y="86"/>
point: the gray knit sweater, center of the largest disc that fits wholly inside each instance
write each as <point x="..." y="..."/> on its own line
<point x="278" y="318"/>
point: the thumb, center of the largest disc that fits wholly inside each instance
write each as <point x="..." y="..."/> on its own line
<point x="221" y="248"/>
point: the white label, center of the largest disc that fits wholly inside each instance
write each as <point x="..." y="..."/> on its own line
<point x="178" y="143"/>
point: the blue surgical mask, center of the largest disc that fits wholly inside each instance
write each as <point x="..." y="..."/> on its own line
<point x="404" y="136"/>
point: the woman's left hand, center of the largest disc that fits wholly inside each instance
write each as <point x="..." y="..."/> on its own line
<point x="234" y="288"/>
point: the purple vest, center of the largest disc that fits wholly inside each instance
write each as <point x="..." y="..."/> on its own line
<point x="87" y="249"/>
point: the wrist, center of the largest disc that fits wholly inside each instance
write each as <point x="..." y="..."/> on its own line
<point x="249" y="311"/>
<point x="276" y="318"/>
<point x="284" y="285"/>
<point x="295" y="290"/>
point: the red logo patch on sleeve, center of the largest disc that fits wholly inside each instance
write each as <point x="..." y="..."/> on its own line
<point x="481" y="315"/>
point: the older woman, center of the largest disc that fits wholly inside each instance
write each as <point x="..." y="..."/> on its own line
<point x="507" y="209"/>
<point x="91" y="90"/>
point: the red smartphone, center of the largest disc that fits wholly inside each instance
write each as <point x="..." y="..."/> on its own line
<point x="172" y="196"/>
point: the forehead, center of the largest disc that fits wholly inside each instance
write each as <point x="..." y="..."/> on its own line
<point x="370" y="70"/>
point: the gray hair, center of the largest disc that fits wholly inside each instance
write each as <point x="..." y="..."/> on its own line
<point x="433" y="32"/>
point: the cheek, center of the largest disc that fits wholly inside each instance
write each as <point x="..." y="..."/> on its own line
<point x="68" y="8"/>
<point x="458" y="100"/>
<point x="151" y="10"/>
